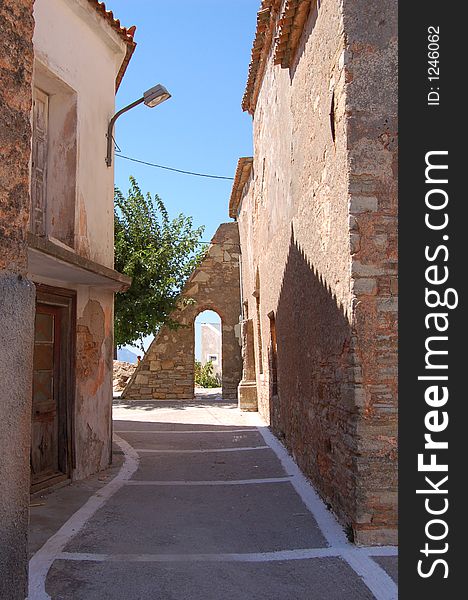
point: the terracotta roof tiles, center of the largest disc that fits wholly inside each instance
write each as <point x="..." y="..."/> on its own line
<point x="244" y="167"/>
<point x="126" y="34"/>
<point x="266" y="18"/>
<point x="290" y="27"/>
<point x="280" y="24"/>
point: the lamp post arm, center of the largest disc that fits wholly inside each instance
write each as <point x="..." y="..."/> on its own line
<point x="110" y="128"/>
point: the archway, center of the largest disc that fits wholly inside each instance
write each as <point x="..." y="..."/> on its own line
<point x="208" y="350"/>
<point x="167" y="370"/>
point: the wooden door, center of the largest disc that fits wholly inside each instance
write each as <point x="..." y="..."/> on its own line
<point x="46" y="437"/>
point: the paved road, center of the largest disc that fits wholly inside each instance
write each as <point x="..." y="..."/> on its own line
<point x="206" y="506"/>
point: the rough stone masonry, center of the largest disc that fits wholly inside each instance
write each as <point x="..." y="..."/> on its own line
<point x="17" y="294"/>
<point x="167" y="369"/>
<point x="317" y="214"/>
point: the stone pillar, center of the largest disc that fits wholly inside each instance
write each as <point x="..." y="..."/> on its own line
<point x="17" y="295"/>
<point x="247" y="390"/>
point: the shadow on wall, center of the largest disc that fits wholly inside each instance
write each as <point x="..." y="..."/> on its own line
<point x="309" y="24"/>
<point x="314" y="412"/>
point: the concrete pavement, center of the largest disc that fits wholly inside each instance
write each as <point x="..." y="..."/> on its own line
<point x="206" y="505"/>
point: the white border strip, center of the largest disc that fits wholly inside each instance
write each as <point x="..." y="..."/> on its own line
<point x="359" y="559"/>
<point x="212" y="482"/>
<point x="41" y="562"/>
<point x="329" y="527"/>
<point x="301" y="554"/>
<point x="207" y="451"/>
<point x="377" y="579"/>
<point x="251" y="430"/>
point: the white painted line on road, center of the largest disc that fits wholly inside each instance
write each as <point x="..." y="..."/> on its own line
<point x="333" y="533"/>
<point x="41" y="562"/>
<point x="155" y="432"/>
<point x="212" y="482"/>
<point x="210" y="450"/>
<point x="301" y="554"/>
<point x="377" y="580"/>
<point x="359" y="559"/>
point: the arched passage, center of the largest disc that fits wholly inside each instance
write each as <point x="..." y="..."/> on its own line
<point x="167" y="370"/>
<point x="208" y="349"/>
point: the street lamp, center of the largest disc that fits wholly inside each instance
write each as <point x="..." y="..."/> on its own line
<point x="152" y="97"/>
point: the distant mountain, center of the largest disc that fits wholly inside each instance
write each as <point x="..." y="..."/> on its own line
<point x="126" y="356"/>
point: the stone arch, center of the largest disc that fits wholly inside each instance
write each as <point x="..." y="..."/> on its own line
<point x="167" y="370"/>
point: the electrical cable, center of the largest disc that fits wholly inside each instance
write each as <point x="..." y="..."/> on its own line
<point x="143" y="162"/>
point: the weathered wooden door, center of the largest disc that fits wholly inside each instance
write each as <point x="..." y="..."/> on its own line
<point x="48" y="446"/>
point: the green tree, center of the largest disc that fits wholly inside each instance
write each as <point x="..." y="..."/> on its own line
<point x="204" y="376"/>
<point x="159" y="254"/>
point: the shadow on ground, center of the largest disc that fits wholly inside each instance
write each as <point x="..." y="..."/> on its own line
<point x="200" y="401"/>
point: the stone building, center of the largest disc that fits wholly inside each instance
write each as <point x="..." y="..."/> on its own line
<point x="317" y="215"/>
<point x="56" y="253"/>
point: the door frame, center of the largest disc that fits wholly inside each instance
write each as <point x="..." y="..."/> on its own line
<point x="65" y="301"/>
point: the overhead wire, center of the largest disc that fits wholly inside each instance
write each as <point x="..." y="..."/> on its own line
<point x="193" y="173"/>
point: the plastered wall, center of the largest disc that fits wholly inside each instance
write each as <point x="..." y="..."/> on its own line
<point x="17" y="294"/>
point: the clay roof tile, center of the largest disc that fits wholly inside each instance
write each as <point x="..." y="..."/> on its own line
<point x="126" y="34"/>
<point x="244" y="167"/>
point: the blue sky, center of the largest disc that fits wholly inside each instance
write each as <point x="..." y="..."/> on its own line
<point x="200" y="50"/>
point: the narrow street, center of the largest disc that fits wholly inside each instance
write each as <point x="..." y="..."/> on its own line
<point x="202" y="503"/>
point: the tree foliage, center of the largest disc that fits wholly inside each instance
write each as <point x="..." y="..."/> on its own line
<point x="159" y="254"/>
<point x="204" y="376"/>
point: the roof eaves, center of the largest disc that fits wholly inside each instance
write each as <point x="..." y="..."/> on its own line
<point x="290" y="27"/>
<point x="125" y="33"/>
<point x="243" y="170"/>
<point x="280" y="24"/>
<point x="124" y="65"/>
<point x="266" y="20"/>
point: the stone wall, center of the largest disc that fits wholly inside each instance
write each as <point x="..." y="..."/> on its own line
<point x="17" y="294"/>
<point x="167" y="369"/>
<point x="371" y="100"/>
<point x="317" y="228"/>
<point x="121" y="374"/>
